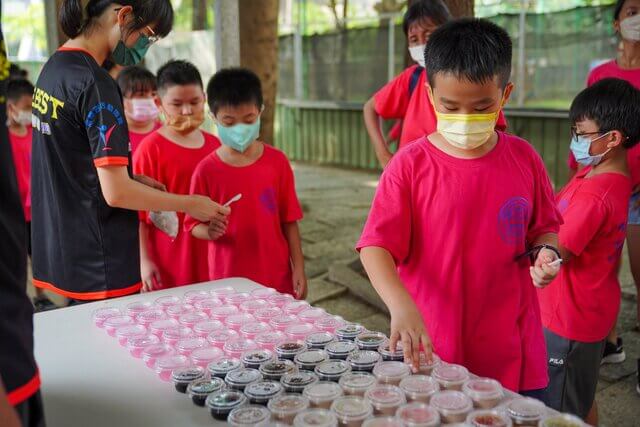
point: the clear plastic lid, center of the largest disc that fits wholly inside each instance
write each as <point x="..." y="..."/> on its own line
<point x="221" y="367"/>
<point x="322" y="391"/>
<point x="251" y="330"/>
<point x="279" y="300"/>
<point x="123" y="333"/>
<point x="371" y="340"/>
<point x="203" y="388"/>
<point x="525" y="410"/>
<point x="223" y="292"/>
<point x="310" y="358"/>
<point x="112" y="323"/>
<point x="236" y="321"/>
<point x="249" y="415"/>
<point x="262" y="391"/>
<point x="172" y="336"/>
<point x="289" y="349"/>
<point x="205" y="355"/>
<point x="281" y="323"/>
<point x="269" y="340"/>
<point x="237" y="347"/>
<point x="295" y="307"/>
<point x="134" y="308"/>
<point x="351" y="408"/>
<point x="479" y="389"/>
<point x="315" y="418"/>
<point x="419" y="387"/>
<point x="205" y="327"/>
<point x="263" y="293"/>
<point x="450" y="375"/>
<point x="329" y="323"/>
<point x="451" y="403"/>
<point x="357" y="382"/>
<point x="150" y="316"/>
<point x="418" y="415"/>
<point x="255" y="358"/>
<point x="299" y="331"/>
<point x="562" y="420"/>
<point x="167" y="301"/>
<point x="221" y="337"/>
<point x="312" y="315"/>
<point x="427" y="367"/>
<point x="350" y="331"/>
<point x="383" y="422"/>
<point x="175" y="311"/>
<point x="266" y="314"/>
<point x="188" y="374"/>
<point x="103" y="313"/>
<point x="237" y="298"/>
<point x="224" y="311"/>
<point x="252" y="305"/>
<point x="165" y="365"/>
<point x="191" y="297"/>
<point x="154" y="351"/>
<point x="390" y="372"/>
<point x="207" y="304"/>
<point x="385" y="396"/>
<point x="222" y="402"/>
<point x="139" y="343"/>
<point x="159" y="326"/>
<point x="488" y="417"/>
<point x="187" y="345"/>
<point x="393" y="356"/>
<point x="277" y="368"/>
<point x="318" y="340"/>
<point x="363" y="359"/>
<point x="297" y="381"/>
<point x="340" y="349"/>
<point x="190" y="319"/>
<point x="288" y="404"/>
<point x="240" y="378"/>
<point x="332" y="369"/>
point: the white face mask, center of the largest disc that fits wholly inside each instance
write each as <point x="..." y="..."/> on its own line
<point x="417" y="54"/>
<point x="630" y="28"/>
<point x="23" y="118"/>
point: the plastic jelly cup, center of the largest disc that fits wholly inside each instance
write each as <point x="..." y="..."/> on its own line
<point x="357" y="383"/>
<point x="252" y="305"/>
<point x="221" y="367"/>
<point x="137" y="307"/>
<point x="199" y="390"/>
<point x="148" y="317"/>
<point x="112" y="323"/>
<point x="182" y="377"/>
<point x="221" y="337"/>
<point x="285" y="407"/>
<point x="281" y="323"/>
<point x="204" y="328"/>
<point x="206" y="305"/>
<point x="315" y="418"/>
<point x="309" y="359"/>
<point x="221" y="313"/>
<point x="279" y="300"/>
<point x="453" y="406"/>
<point x="237" y="347"/>
<point x="220" y="404"/>
<point x="427" y="368"/>
<point x="205" y="355"/>
<point x="250" y="330"/>
<point x="340" y="349"/>
<point x="167" y="301"/>
<point x="276" y="369"/>
<point x="386" y="399"/>
<point x="312" y="315"/>
<point x="486" y="393"/>
<point x="237" y="298"/>
<point x="188" y="345"/>
<point x="165" y="365"/>
<point x="289" y="349"/>
<point x="172" y="336"/>
<point x="300" y="331"/>
<point x="249" y="416"/>
<point x="135" y="345"/>
<point x="266" y="314"/>
<point x="364" y="360"/>
<point x="100" y="315"/>
<point x="329" y="323"/>
<point x="254" y="358"/>
<point x="332" y="370"/>
<point x="269" y="340"/>
<point x="562" y="420"/>
<point x="371" y="340"/>
<point x="450" y="376"/>
<point x="295" y="307"/>
<point x="349" y="331"/>
<point x="525" y="411"/>
<point x="322" y="393"/>
<point x="236" y="321"/>
<point x="263" y="293"/>
<point x="241" y="378"/>
<point x="319" y="340"/>
<point x="123" y="333"/>
<point x="418" y="415"/>
<point x="261" y="392"/>
<point x="391" y="372"/>
<point x="383" y="422"/>
<point x="175" y="311"/>
<point x="297" y="381"/>
<point x="158" y="327"/>
<point x="391" y="356"/>
<point x="419" y="388"/>
<point x="351" y="411"/>
<point x="190" y="319"/>
<point x="489" y="418"/>
<point x="223" y="292"/>
<point x="191" y="297"/>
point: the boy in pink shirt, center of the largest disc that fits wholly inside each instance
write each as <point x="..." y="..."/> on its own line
<point x="581" y="305"/>
<point x="457" y="215"/>
<point x="260" y="239"/>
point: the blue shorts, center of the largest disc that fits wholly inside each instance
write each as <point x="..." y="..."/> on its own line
<point x="634" y="209"/>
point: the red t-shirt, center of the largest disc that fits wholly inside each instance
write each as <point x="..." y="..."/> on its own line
<point x="181" y="261"/>
<point x="606" y="70"/>
<point x="21" y="148"/>
<point x="254" y="245"/>
<point x="136" y="138"/>
<point x="419" y="119"/>
<point x="455" y="227"/>
<point x="582" y="302"/>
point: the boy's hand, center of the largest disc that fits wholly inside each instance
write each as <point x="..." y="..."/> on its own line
<point x="150" y="273"/>
<point x="299" y="283"/>
<point x="218" y="226"/>
<point x="541" y="272"/>
<point x="408" y="328"/>
<point x="204" y="209"/>
<point x="150" y="182"/>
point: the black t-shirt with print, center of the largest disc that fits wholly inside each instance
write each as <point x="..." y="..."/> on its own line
<point x="82" y="248"/>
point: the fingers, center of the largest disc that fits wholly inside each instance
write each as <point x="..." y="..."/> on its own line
<point x="393" y="340"/>
<point x="427" y="347"/>
<point x="223" y="211"/>
<point x="415" y="350"/>
<point x="407" y="349"/>
<point x="156" y="280"/>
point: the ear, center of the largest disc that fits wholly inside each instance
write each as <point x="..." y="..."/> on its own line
<point x="615" y="139"/>
<point x="507" y="93"/>
<point x="616" y="26"/>
<point x="122" y="15"/>
<point x="429" y="93"/>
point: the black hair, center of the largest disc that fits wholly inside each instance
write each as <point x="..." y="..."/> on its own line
<point x="17" y="88"/>
<point x="108" y="65"/>
<point x="15" y="72"/>
<point x="76" y="19"/>
<point x="135" y="79"/>
<point x="473" y="49"/>
<point x="613" y="104"/>
<point x="618" y="9"/>
<point x="178" y="73"/>
<point x="434" y="10"/>
<point x="233" y="87"/>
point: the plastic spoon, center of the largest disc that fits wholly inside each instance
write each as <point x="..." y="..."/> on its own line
<point x="555" y="263"/>
<point x="233" y="200"/>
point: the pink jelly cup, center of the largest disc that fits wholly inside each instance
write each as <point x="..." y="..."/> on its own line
<point x="159" y="326"/>
<point x="175" y="311"/>
<point x="266" y="314"/>
<point x="102" y="314"/>
<point x="223" y="292"/>
<point x="295" y="307"/>
<point x="123" y="333"/>
<point x="220" y="338"/>
<point x="205" y="355"/>
<point x="236" y="321"/>
<point x="300" y="331"/>
<point x="221" y="313"/>
<point x="148" y="317"/>
<point x="250" y="330"/>
<point x="208" y="304"/>
<point x="112" y="323"/>
<point x="253" y="305"/>
<point x="167" y="301"/>
<point x="135" y="345"/>
<point x="279" y="300"/>
<point x="204" y="328"/>
<point x="236" y="348"/>
<point x="263" y="293"/>
<point x="137" y="307"/>
<point x="152" y="352"/>
<point x="269" y="340"/>
<point x="188" y="345"/>
<point x="281" y="323"/>
<point x="237" y="298"/>
<point x="172" y="336"/>
<point x="191" y="297"/>
<point x="190" y="319"/>
<point x="329" y="323"/>
<point x="312" y="315"/>
<point x="167" y="364"/>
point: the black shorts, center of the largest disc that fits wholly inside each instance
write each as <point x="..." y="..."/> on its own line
<point x="573" y="373"/>
<point x="31" y="411"/>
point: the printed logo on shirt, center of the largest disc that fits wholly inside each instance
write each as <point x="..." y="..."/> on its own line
<point x="553" y="361"/>
<point x="268" y="200"/>
<point x="96" y="118"/>
<point x="563" y="204"/>
<point x="513" y="220"/>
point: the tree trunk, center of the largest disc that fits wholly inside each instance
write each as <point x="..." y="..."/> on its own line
<point x="460" y="8"/>
<point x="199" y="18"/>
<point x="259" y="53"/>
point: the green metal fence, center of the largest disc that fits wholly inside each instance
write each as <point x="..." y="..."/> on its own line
<point x="334" y="134"/>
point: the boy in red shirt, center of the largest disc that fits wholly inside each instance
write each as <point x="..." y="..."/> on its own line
<point x="456" y="215"/>
<point x="19" y="94"/>
<point x="261" y="239"/>
<point x="138" y="87"/>
<point x="170" y="155"/>
<point x="581" y="306"/>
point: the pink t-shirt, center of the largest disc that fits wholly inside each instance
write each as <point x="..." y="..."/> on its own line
<point x="606" y="70"/>
<point x="419" y="118"/>
<point x="136" y="138"/>
<point x="21" y="148"/>
<point x="254" y="245"/>
<point x="455" y="227"/>
<point x="582" y="302"/>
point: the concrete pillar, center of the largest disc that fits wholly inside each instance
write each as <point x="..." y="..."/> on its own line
<point x="227" y="33"/>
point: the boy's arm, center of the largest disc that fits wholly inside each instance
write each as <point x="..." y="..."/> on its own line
<point x="292" y="234"/>
<point x="148" y="269"/>
<point x="372" y="123"/>
<point x="407" y="325"/>
<point x="8" y="414"/>
<point x="542" y="272"/>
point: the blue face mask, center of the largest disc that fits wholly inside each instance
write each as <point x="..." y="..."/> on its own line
<point x="239" y="136"/>
<point x="126" y="56"/>
<point x="580" y="146"/>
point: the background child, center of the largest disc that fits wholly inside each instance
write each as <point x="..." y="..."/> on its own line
<point x="260" y="240"/>
<point x="170" y="156"/>
<point x="454" y="213"/>
<point x="19" y="94"/>
<point x="138" y="87"/>
<point x="581" y="306"/>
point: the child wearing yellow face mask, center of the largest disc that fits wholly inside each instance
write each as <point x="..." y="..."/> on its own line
<point x="463" y="224"/>
<point x="170" y="155"/>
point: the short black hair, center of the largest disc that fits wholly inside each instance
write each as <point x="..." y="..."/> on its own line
<point x="618" y="9"/>
<point x="136" y="80"/>
<point x="233" y="87"/>
<point x="17" y="88"/>
<point x="473" y="49"/>
<point x="614" y="104"/>
<point x="434" y="10"/>
<point x="15" y="72"/>
<point x="177" y="73"/>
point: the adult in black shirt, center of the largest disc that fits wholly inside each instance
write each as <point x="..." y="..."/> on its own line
<point x="84" y="226"/>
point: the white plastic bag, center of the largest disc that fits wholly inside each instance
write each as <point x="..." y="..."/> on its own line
<point x="166" y="222"/>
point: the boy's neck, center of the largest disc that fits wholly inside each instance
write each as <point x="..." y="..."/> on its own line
<point x="17" y="129"/>
<point x="615" y="162"/>
<point x="237" y="159"/>
<point x="443" y="145"/>
<point x="193" y="140"/>
<point x="629" y="56"/>
<point x="141" y="127"/>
